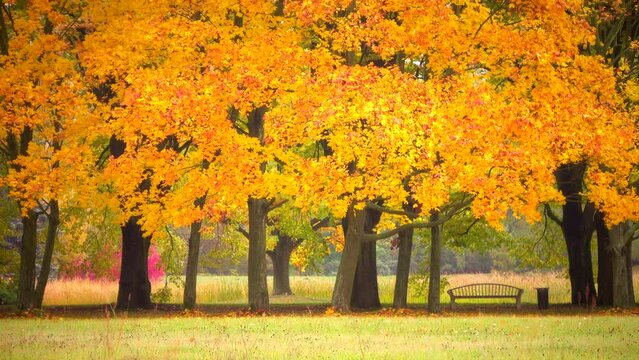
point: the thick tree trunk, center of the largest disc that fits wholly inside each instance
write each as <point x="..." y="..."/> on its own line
<point x="577" y="226"/>
<point x="52" y="233"/>
<point x="257" y="290"/>
<point x="621" y="290"/>
<point x="365" y="288"/>
<point x="192" y="261"/>
<point x="604" y="264"/>
<point x="26" y="277"/>
<point x="134" y="290"/>
<point x="280" y="257"/>
<point x="403" y="269"/>
<point x="345" y="278"/>
<point x="435" y="267"/>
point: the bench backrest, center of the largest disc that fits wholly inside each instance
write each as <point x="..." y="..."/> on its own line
<point x="486" y="289"/>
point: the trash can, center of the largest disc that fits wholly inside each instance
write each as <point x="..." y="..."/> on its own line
<point x="542" y="298"/>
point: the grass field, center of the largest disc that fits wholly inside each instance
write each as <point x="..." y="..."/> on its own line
<point x="489" y="331"/>
<point x="309" y="290"/>
<point x="346" y="337"/>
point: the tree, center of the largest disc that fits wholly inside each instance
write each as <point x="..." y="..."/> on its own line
<point x="483" y="120"/>
<point x="483" y="101"/>
<point x="292" y="230"/>
<point x="190" y="282"/>
<point x="44" y="104"/>
<point x="214" y="93"/>
<point x="616" y="24"/>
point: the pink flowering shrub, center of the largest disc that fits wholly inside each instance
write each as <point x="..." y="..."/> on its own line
<point x="156" y="268"/>
<point x="81" y="267"/>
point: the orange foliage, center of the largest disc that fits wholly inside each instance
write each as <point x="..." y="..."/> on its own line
<point x="449" y="96"/>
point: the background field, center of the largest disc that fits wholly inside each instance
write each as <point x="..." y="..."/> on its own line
<point x="352" y="337"/>
<point x="310" y="290"/>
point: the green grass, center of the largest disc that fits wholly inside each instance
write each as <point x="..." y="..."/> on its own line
<point x="353" y="337"/>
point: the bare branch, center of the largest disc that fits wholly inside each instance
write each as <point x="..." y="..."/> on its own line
<point x="490" y="16"/>
<point x="468" y="228"/>
<point x="453" y="210"/>
<point x="408" y="214"/>
<point x="44" y="206"/>
<point x="272" y="205"/>
<point x="631" y="233"/>
<point x="243" y="232"/>
<point x="102" y="158"/>
<point x="548" y="211"/>
<point x="317" y="224"/>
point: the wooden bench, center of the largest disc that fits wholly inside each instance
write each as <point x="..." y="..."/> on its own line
<point x="485" y="291"/>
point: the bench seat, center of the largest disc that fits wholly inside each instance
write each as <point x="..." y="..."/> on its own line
<point x="485" y="291"/>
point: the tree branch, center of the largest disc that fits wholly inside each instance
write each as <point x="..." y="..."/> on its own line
<point x="243" y="232"/>
<point x="408" y="214"/>
<point x="317" y="224"/>
<point x="468" y="228"/>
<point x="453" y="210"/>
<point x="490" y="16"/>
<point x="102" y="158"/>
<point x="44" y="206"/>
<point x="629" y="236"/>
<point x="5" y="149"/>
<point x="272" y="205"/>
<point x="552" y="215"/>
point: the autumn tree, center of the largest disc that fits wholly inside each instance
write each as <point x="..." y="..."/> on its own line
<point x="45" y="104"/>
<point x="617" y="33"/>
<point x="295" y="232"/>
<point x="481" y="121"/>
<point x="205" y="74"/>
<point x="498" y="98"/>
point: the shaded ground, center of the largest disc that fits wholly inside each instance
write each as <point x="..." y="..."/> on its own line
<point x="239" y="310"/>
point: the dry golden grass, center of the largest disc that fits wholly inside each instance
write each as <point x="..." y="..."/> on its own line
<point x="308" y="289"/>
<point x="556" y="282"/>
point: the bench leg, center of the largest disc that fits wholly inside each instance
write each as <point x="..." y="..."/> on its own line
<point x="452" y="303"/>
<point x="519" y="303"/>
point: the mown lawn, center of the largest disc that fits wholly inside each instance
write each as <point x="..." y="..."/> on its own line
<point x="354" y="337"/>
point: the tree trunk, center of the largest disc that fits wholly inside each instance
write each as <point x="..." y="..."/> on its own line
<point x="134" y="290"/>
<point x="604" y="265"/>
<point x="258" y="210"/>
<point x="621" y="291"/>
<point x="631" y="286"/>
<point x="192" y="261"/>
<point x="52" y="233"/>
<point x="26" y="277"/>
<point x="577" y="226"/>
<point x="345" y="278"/>
<point x="434" y="280"/>
<point x="365" y="288"/>
<point x="280" y="257"/>
<point x="403" y="269"/>
<point x="190" y="283"/>
<point x="257" y="290"/>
